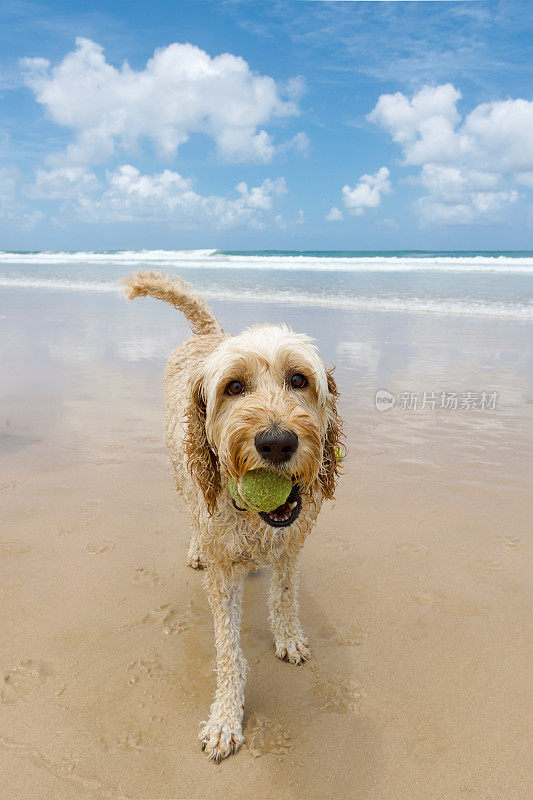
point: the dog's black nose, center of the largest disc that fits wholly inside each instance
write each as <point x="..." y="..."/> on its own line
<point x="276" y="445"/>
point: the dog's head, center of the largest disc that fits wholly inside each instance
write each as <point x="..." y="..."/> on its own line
<point x="264" y="399"/>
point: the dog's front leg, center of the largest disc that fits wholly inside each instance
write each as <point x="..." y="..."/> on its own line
<point x="291" y="644"/>
<point x="222" y="734"/>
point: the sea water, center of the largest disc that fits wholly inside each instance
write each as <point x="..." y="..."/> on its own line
<point x="498" y="284"/>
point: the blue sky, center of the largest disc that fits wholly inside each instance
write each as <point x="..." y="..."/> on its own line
<point x="248" y="125"/>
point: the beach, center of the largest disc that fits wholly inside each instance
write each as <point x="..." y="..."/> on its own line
<point x="415" y="588"/>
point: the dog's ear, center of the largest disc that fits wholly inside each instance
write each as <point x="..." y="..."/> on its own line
<point x="334" y="448"/>
<point x="201" y="460"/>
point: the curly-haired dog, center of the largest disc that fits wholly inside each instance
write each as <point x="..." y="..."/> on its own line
<point x="263" y="398"/>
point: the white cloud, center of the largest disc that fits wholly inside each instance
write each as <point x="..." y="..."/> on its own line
<point x="500" y="134"/>
<point x="283" y="223"/>
<point x="477" y="204"/>
<point x="12" y="209"/>
<point x="8" y="183"/>
<point x="424" y="125"/>
<point x="181" y="91"/>
<point x="63" y="182"/>
<point x="130" y="196"/>
<point x="525" y="178"/>
<point x="262" y="196"/>
<point x="467" y="164"/>
<point x="367" y="192"/>
<point x="450" y="183"/>
<point x="299" y="142"/>
<point x="461" y="196"/>
<point x="334" y="215"/>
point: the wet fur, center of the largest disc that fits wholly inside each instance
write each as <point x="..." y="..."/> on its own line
<point x="210" y="437"/>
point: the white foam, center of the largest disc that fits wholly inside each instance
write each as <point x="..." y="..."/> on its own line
<point x="59" y="285"/>
<point x="212" y="259"/>
<point x="375" y="303"/>
<point x="121" y="257"/>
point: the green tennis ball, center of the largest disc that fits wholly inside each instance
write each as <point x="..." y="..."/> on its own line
<point x="260" y="490"/>
<point x="233" y="487"/>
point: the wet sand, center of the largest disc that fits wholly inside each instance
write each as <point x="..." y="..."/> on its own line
<point x="415" y="592"/>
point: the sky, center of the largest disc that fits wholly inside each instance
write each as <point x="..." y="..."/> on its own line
<point x="238" y="124"/>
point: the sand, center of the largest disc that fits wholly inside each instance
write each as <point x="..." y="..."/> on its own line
<point x="416" y="589"/>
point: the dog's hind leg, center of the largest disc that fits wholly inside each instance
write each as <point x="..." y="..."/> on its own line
<point x="222" y="733"/>
<point x="289" y="640"/>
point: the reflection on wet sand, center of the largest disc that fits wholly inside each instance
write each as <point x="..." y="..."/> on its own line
<point x="415" y="586"/>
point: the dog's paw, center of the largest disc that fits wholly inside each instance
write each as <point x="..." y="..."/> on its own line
<point x="195" y="560"/>
<point x="294" y="650"/>
<point x="220" y="738"/>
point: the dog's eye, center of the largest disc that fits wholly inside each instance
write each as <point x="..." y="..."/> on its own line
<point x="235" y="387"/>
<point x="298" y="381"/>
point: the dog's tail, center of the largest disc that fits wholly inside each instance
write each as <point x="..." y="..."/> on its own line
<point x="176" y="292"/>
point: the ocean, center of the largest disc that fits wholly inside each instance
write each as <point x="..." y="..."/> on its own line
<point x="488" y="284"/>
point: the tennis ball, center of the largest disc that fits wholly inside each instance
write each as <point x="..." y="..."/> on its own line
<point x="260" y="490"/>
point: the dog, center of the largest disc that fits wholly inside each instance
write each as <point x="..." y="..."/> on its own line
<point x="260" y="399"/>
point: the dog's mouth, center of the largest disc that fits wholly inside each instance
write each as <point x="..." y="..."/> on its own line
<point x="287" y="513"/>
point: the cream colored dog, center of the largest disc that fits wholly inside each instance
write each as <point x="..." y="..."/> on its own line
<point x="264" y="399"/>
